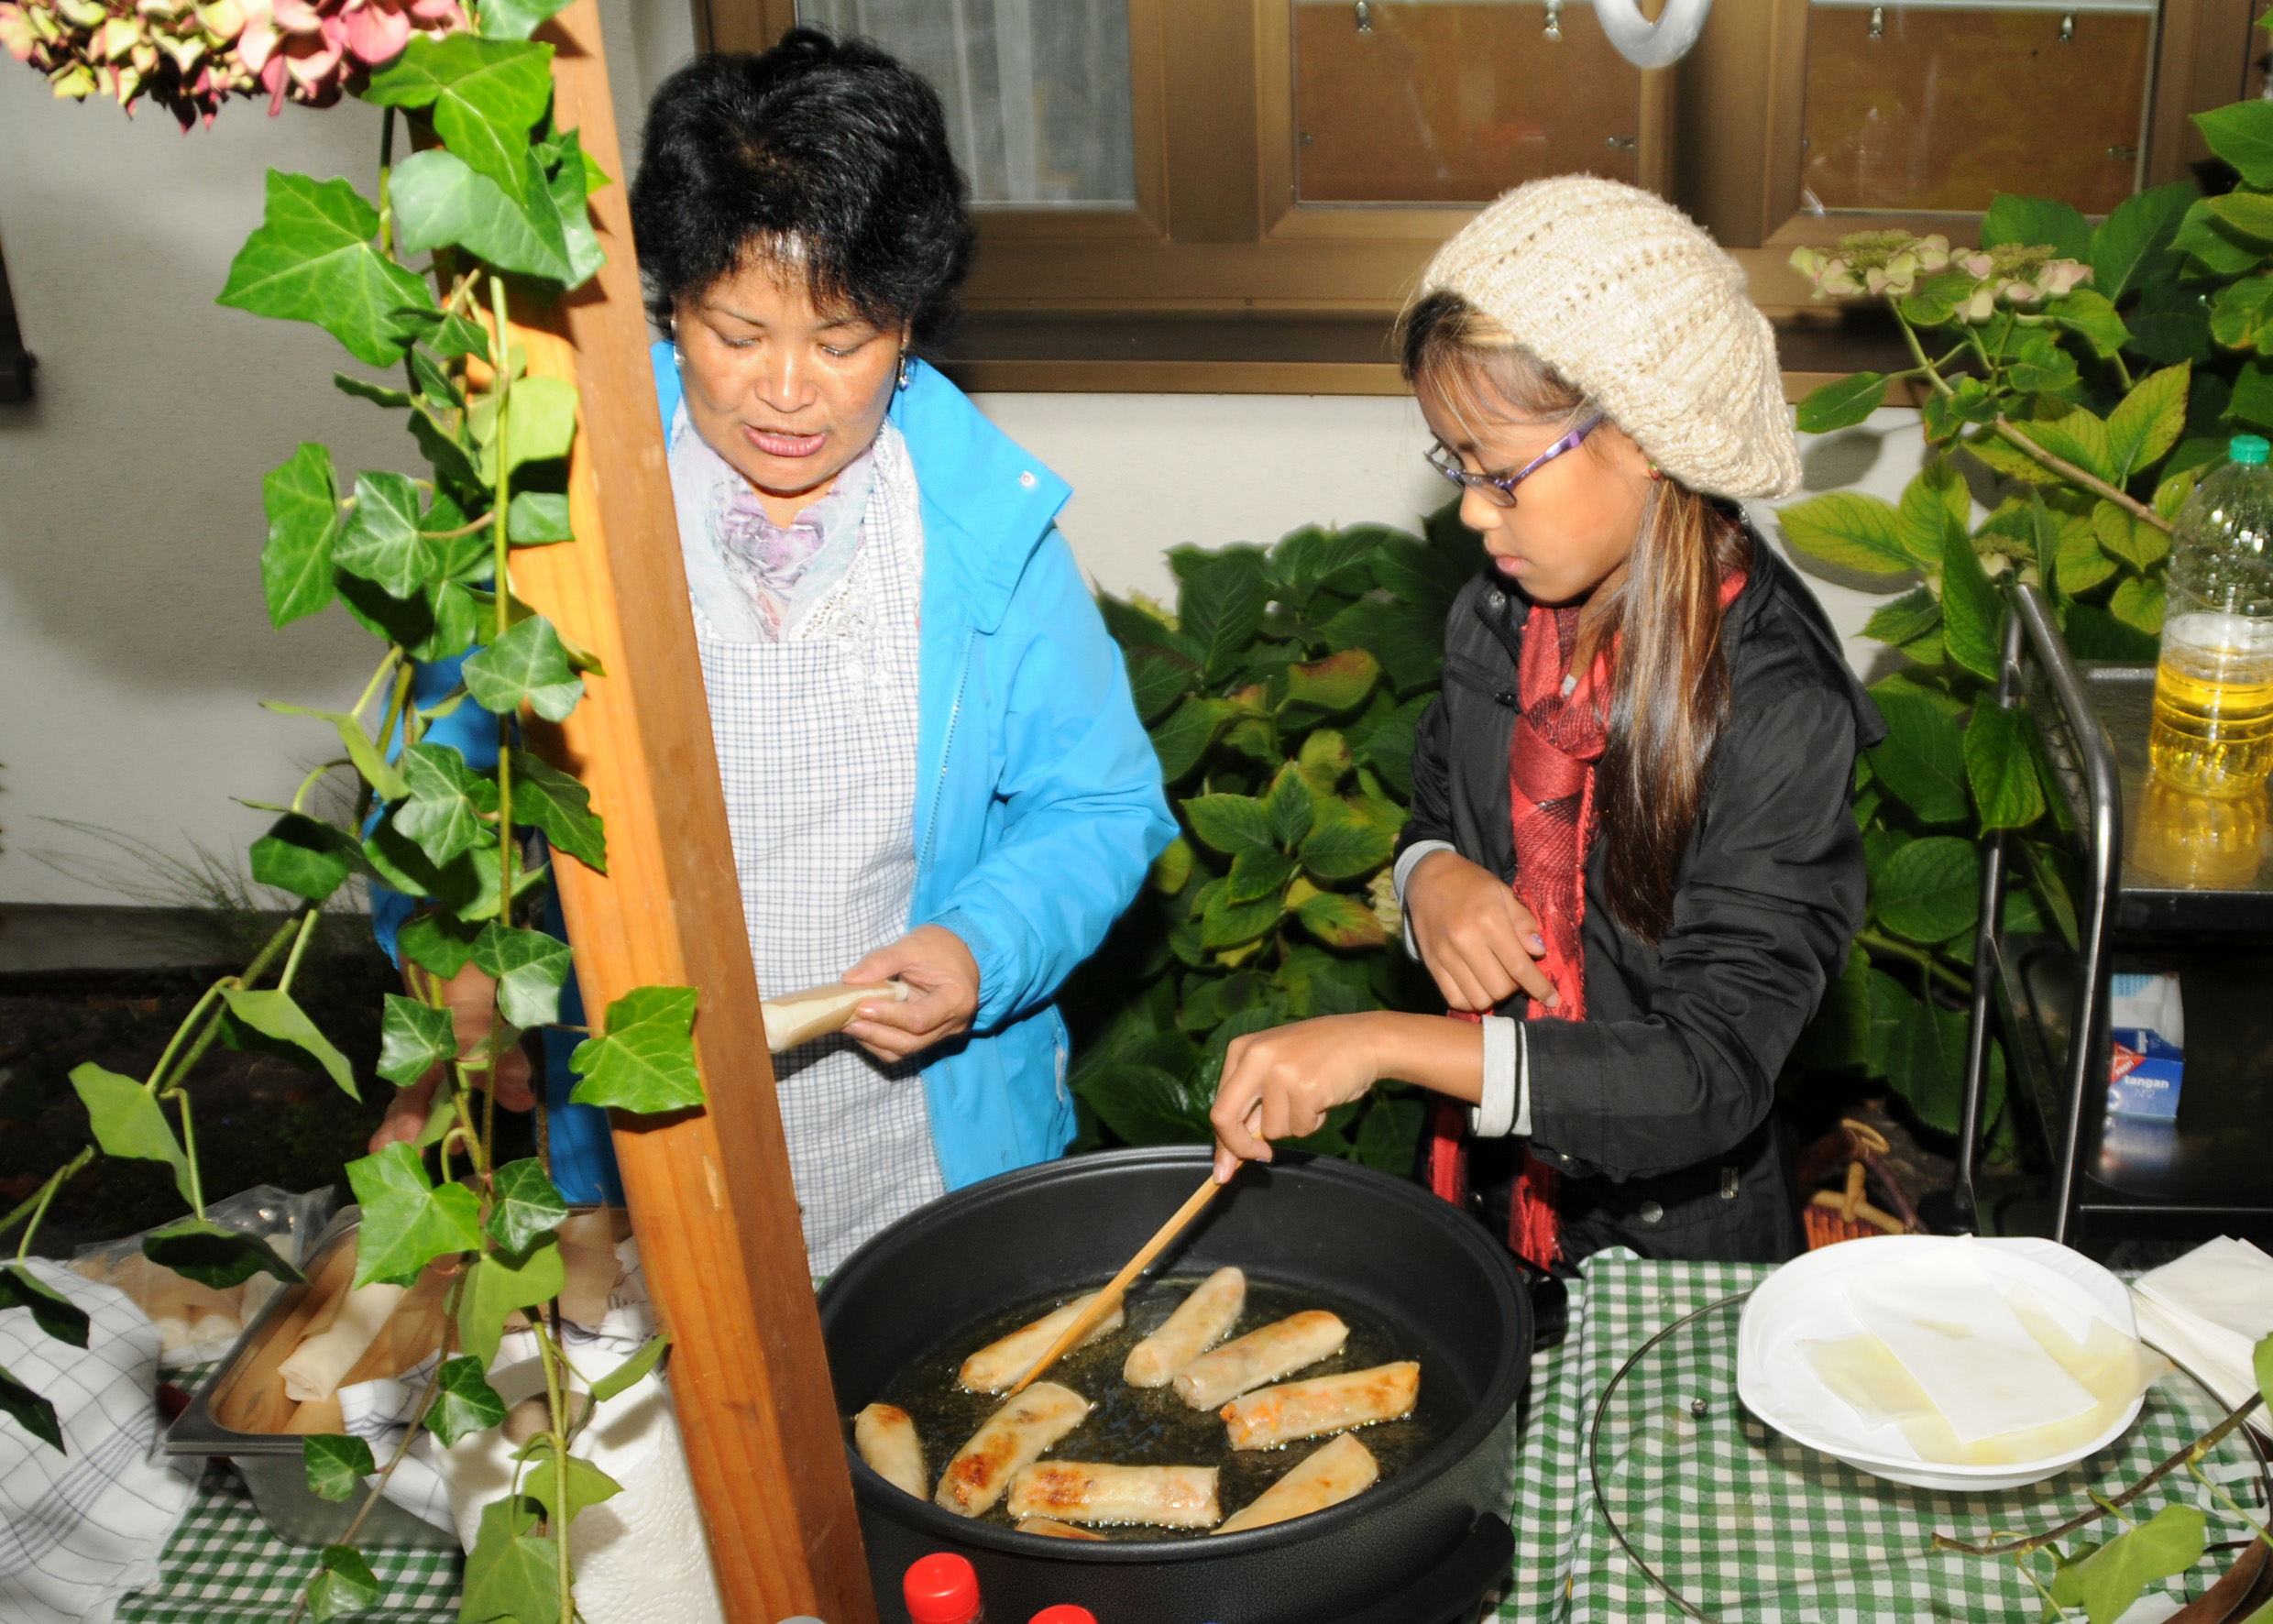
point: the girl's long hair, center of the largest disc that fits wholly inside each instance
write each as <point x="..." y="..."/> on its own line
<point x="1669" y="689"/>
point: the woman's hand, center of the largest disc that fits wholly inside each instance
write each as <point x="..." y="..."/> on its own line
<point x="1476" y="939"/>
<point x="943" y="981"/>
<point x="1280" y="1084"/>
<point x="471" y="998"/>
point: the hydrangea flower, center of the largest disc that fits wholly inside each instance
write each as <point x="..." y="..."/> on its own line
<point x="1889" y="264"/>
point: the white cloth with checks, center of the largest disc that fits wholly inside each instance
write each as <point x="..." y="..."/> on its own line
<point x="815" y="738"/>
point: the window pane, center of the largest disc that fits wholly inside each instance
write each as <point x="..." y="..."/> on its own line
<point x="1456" y="102"/>
<point x="1036" y="91"/>
<point x="1937" y="106"/>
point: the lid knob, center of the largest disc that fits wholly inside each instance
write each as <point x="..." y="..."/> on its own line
<point x="1064" y="1613"/>
<point x="941" y="1588"/>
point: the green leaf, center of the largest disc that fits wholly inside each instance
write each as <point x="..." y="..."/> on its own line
<point x="1224" y="923"/>
<point x="2096" y="634"/>
<point x="530" y="968"/>
<point x="549" y="800"/>
<point x="496" y="1286"/>
<point x="407" y="1222"/>
<point x="2114" y="1575"/>
<point x="1922" y="761"/>
<point x="438" y="943"/>
<point x="1936" y="506"/>
<point x="2002" y="768"/>
<point x="1842" y="405"/>
<point x="53" y="1313"/>
<point x="464" y="1402"/>
<point x="447" y="809"/>
<point x="1389" y="1136"/>
<point x="529" y="662"/>
<point x="1144" y="1105"/>
<point x="313" y="260"/>
<point x="377" y="394"/>
<point x="1311" y="560"/>
<point x="1408" y="641"/>
<point x="2030" y="221"/>
<point x="2170" y="324"/>
<point x="305" y="856"/>
<point x="574" y="176"/>
<point x="1343" y="845"/>
<point x="2081" y="563"/>
<point x="1257" y="872"/>
<point x="515" y="19"/>
<point x="336" y="1466"/>
<point x="1327" y="689"/>
<point x="524" y="1206"/>
<point x="1838" y="1039"/>
<point x="2091" y="316"/>
<point x="2217" y="247"/>
<point x="441" y="201"/>
<point x="413" y="1038"/>
<point x="30" y="1412"/>
<point x="302" y="499"/>
<point x="1929" y="890"/>
<point x="213" y="1255"/>
<point x="382" y="542"/>
<point x="2247" y="216"/>
<point x="540" y="422"/>
<point x="1972" y="615"/>
<point x="2261" y="1365"/>
<point x="621" y="1379"/>
<point x="1386" y="746"/>
<point x="1220" y="609"/>
<point x="345" y="1584"/>
<point x="2239" y="312"/>
<point x="1157" y="679"/>
<point x="1852" y="531"/>
<point x="485" y="93"/>
<point x="1906" y="619"/>
<point x="1231" y="824"/>
<point x="2137" y="543"/>
<point x="274" y="1014"/>
<point x="646" y="1060"/>
<point x="2242" y="133"/>
<point x="537" y="519"/>
<point x="1289" y="809"/>
<point x="2147" y="423"/>
<point x="1185" y="737"/>
<point x="1920" y="1052"/>
<point x="127" y="1122"/>
<point x="541" y="1481"/>
<point x="2039" y="364"/>
<point x="2129" y="248"/>
<point x="2138" y="604"/>
<point x="1340" y="921"/>
<point x="2079" y="438"/>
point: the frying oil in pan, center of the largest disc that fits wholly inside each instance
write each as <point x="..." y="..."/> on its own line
<point x="1151" y="1426"/>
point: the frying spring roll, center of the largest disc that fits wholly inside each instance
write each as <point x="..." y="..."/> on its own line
<point x="1326" y="1478"/>
<point x="1198" y="1323"/>
<point x="1324" y="1404"/>
<point x="1014" y="1436"/>
<point x="885" y="1436"/>
<point x="996" y="1366"/>
<point x="1276" y="1350"/>
<point x="1055" y="1531"/>
<point x="1086" y="1491"/>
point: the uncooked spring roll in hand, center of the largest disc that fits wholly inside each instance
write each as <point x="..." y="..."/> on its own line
<point x="1087" y="1491"/>
<point x="1326" y="1478"/>
<point x="1276" y="1350"/>
<point x="1198" y="1323"/>
<point x="994" y="1367"/>
<point x="1014" y="1436"/>
<point x="885" y="1436"/>
<point x="799" y="1017"/>
<point x="1324" y="1404"/>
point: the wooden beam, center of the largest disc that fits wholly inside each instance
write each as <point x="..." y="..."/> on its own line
<point x="710" y="1191"/>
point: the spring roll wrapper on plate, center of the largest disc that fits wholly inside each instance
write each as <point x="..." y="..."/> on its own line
<point x="1199" y="1323"/>
<point x="1014" y="1436"/>
<point x="885" y="1436"/>
<point x="994" y="1367"/>
<point x="1326" y="1477"/>
<point x="1050" y="1528"/>
<point x="1324" y="1404"/>
<point x="1260" y="1357"/>
<point x="799" y="1017"/>
<point x="1088" y="1491"/>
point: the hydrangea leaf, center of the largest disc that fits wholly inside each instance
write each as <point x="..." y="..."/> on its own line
<point x="524" y="1207"/>
<point x="1339" y="921"/>
<point x="127" y="1120"/>
<point x="1930" y="890"/>
<point x="549" y="800"/>
<point x="530" y="968"/>
<point x="464" y="1402"/>
<point x="437" y="942"/>
<point x="52" y="1311"/>
<point x="214" y="1255"/>
<point x="336" y="1464"/>
<point x="485" y="94"/>
<point x="1853" y="531"/>
<point x="305" y="856"/>
<point x="2002" y="768"/>
<point x="1343" y="845"/>
<point x="1841" y="405"/>
<point x="1972" y="615"/>
<point x="313" y="260"/>
<point x="1184" y="738"/>
<point x="413" y="1038"/>
<point x="1231" y="824"/>
<point x="496" y="1286"/>
<point x="646" y="1063"/>
<point x="407" y="1222"/>
<point x="300" y="497"/>
<point x="345" y="1584"/>
<point x="274" y="1014"/>
<point x="527" y="663"/>
<point x="445" y="810"/>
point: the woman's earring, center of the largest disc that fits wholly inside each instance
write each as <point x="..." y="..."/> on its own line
<point x="904" y="372"/>
<point x="678" y="354"/>
<point x="1657" y="473"/>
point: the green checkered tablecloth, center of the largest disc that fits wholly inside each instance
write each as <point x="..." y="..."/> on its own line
<point x="1744" y="1524"/>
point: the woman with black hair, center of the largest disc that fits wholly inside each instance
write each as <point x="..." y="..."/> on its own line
<point x="934" y="772"/>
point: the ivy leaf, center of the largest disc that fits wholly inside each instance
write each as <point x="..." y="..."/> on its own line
<point x="1852" y="531"/>
<point x="413" y="1038"/>
<point x="1231" y="824"/>
<point x="1338" y="920"/>
<point x="274" y="1014"/>
<point x="53" y="1313"/>
<point x="336" y="1466"/>
<point x="527" y="663"/>
<point x="1972" y="615"/>
<point x="2137" y="543"/>
<point x="1343" y="845"/>
<point x="540" y="424"/>
<point x="571" y="183"/>
<point x="511" y="1573"/>
<point x="407" y="1222"/>
<point x="496" y="1286"/>
<point x="127" y="1122"/>
<point x="1922" y="760"/>
<point x="486" y="93"/>
<point x="437" y="942"/>
<point x="530" y="968"/>
<point x="541" y="1479"/>
<point x="30" y="1412"/>
<point x="2147" y="423"/>
<point x="464" y="1402"/>
<point x="1157" y="679"/>
<point x="445" y="810"/>
<point x="1930" y="890"/>
<point x="2030" y="221"/>
<point x="621" y="1379"/>
<point x="345" y="1584"/>
<point x="2129" y="247"/>
<point x="305" y="856"/>
<point x="537" y="519"/>
<point x="382" y="543"/>
<point x="646" y="1063"/>
<point x="524" y="1206"/>
<point x="1185" y="737"/>
<point x="2114" y="1575"/>
<point x="213" y="1255"/>
<point x="300" y="497"/>
<point x="363" y="389"/>
<point x="1842" y="405"/>
<point x="1909" y="618"/>
<point x="2002" y="768"/>
<point x="313" y="260"/>
<point x="440" y="200"/>
<point x="549" y="800"/>
<point x="515" y="19"/>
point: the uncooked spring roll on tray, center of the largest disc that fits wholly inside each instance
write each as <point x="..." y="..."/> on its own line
<point x="1259" y="1356"/>
<point x="1014" y="1436"/>
<point x="1326" y="1477"/>
<point x="1199" y="1323"/>
<point x="885" y="1436"/>
<point x="1088" y="1491"/>
<point x="1279" y="1415"/>
<point x="994" y="1367"/>
<point x="315" y="1367"/>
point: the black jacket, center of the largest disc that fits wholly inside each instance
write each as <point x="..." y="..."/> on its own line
<point x="1657" y="1107"/>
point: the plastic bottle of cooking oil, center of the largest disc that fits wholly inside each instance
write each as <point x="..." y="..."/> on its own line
<point x="2214" y="691"/>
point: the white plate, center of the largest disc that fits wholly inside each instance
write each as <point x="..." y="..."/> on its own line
<point x="1806" y="1300"/>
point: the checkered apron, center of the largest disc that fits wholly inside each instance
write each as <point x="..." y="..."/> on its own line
<point x="815" y="738"/>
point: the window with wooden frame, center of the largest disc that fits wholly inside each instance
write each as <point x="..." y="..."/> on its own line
<point x="1236" y="194"/>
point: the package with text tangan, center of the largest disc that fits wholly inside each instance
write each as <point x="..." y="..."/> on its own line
<point x="2148" y="1025"/>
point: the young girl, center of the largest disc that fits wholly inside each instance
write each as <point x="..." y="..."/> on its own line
<point x="1631" y="863"/>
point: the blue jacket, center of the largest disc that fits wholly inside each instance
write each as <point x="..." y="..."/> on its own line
<point x="1039" y="805"/>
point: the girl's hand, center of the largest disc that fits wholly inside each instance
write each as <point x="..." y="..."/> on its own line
<point x="1280" y="1084"/>
<point x="943" y="981"/>
<point x="1476" y="939"/>
<point x="471" y="998"/>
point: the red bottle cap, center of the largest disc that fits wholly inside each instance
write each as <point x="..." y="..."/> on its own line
<point x="1065" y="1613"/>
<point x="941" y="1588"/>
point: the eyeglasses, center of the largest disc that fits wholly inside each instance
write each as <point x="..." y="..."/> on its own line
<point x="1500" y="489"/>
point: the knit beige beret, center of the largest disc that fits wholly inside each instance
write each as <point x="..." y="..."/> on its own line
<point x="1637" y="307"/>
